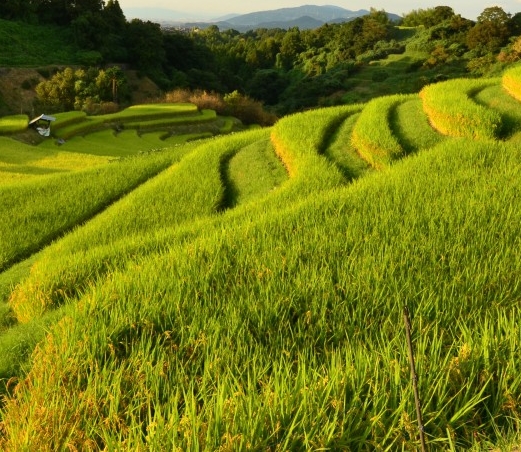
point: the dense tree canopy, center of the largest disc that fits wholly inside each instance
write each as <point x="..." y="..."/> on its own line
<point x="290" y="69"/>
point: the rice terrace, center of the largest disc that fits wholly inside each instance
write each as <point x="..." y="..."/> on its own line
<point x="225" y="289"/>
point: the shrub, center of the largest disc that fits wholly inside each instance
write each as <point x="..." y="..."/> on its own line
<point x="248" y="110"/>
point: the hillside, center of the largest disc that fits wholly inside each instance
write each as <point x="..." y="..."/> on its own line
<point x="305" y="17"/>
<point x="17" y="94"/>
<point x="247" y="292"/>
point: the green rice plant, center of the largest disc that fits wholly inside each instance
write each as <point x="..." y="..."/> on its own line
<point x="65" y="119"/>
<point x="136" y="117"/>
<point x="145" y="112"/>
<point x="185" y="192"/>
<point x="89" y="125"/>
<point x="496" y="98"/>
<point x="228" y="125"/>
<point x="252" y="172"/>
<point x="206" y="115"/>
<point x="511" y="81"/>
<point x="13" y="124"/>
<point x="21" y="162"/>
<point x="303" y="150"/>
<point x="372" y="135"/>
<point x="343" y="154"/>
<point x="52" y="281"/>
<point x="283" y="330"/>
<point x="452" y="111"/>
<point x="110" y="144"/>
<point x="172" y="140"/>
<point x="35" y="212"/>
<point x="410" y="125"/>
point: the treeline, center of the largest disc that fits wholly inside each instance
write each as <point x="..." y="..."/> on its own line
<point x="287" y="70"/>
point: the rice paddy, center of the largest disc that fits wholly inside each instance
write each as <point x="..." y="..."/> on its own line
<point x="246" y="292"/>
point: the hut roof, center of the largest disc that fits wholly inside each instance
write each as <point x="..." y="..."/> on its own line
<point x="44" y="117"/>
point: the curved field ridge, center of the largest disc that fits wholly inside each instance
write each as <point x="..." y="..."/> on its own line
<point x="178" y="319"/>
<point x="34" y="213"/>
<point x="302" y="149"/>
<point x="70" y="124"/>
<point x="411" y="126"/>
<point x="282" y="331"/>
<point x="13" y="124"/>
<point x="511" y="81"/>
<point x="452" y="111"/>
<point x="372" y="134"/>
<point x="188" y="191"/>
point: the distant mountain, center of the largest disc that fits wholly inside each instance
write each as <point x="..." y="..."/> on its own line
<point x="165" y="15"/>
<point x="304" y="17"/>
<point x="319" y="13"/>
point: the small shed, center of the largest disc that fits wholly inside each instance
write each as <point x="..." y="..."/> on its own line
<point x="42" y="124"/>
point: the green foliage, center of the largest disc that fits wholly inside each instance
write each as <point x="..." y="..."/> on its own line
<point x="26" y="45"/>
<point x="427" y="17"/>
<point x="29" y="204"/>
<point x="491" y="32"/>
<point x="372" y="135"/>
<point x="453" y="112"/>
<point x="13" y="124"/>
<point x="77" y="89"/>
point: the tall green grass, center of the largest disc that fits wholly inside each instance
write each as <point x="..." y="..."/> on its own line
<point x="13" y="124"/>
<point x="284" y="331"/>
<point x="35" y="212"/>
<point x="410" y="125"/>
<point x="187" y="191"/>
<point x="372" y="135"/>
<point x="252" y="172"/>
<point x="22" y="162"/>
<point x="452" y="111"/>
<point x="197" y="188"/>
<point x="511" y="81"/>
<point x="303" y="150"/>
<point x="108" y="143"/>
<point x="496" y="97"/>
<point x="138" y="116"/>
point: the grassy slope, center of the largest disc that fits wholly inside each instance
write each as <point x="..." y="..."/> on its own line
<point x="29" y="45"/>
<point x="275" y="323"/>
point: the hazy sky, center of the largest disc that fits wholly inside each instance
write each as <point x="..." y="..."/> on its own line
<point x="467" y="8"/>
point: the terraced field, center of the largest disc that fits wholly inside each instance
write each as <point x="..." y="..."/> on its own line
<point x="246" y="292"/>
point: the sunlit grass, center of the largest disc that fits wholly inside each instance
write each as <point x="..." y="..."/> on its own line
<point x="250" y="335"/>
<point x="452" y="111"/>
<point x="411" y="126"/>
<point x="253" y="172"/>
<point x="251" y="296"/>
<point x="13" y="124"/>
<point x="496" y="98"/>
<point x="373" y="137"/>
<point x="20" y="162"/>
<point x="35" y="212"/>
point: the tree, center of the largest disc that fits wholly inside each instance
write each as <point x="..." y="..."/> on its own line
<point x="290" y="48"/>
<point x="18" y="10"/>
<point x="491" y="31"/>
<point x="74" y="89"/>
<point x="60" y="91"/>
<point x="428" y="17"/>
<point x="145" y="45"/>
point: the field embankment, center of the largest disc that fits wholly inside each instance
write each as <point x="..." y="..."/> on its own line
<point x="188" y="316"/>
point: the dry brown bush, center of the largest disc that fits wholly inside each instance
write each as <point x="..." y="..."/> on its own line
<point x="248" y="110"/>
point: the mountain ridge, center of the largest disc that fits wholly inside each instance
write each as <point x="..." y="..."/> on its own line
<point x="304" y="17"/>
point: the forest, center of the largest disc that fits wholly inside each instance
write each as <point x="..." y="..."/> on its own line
<point x="287" y="70"/>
